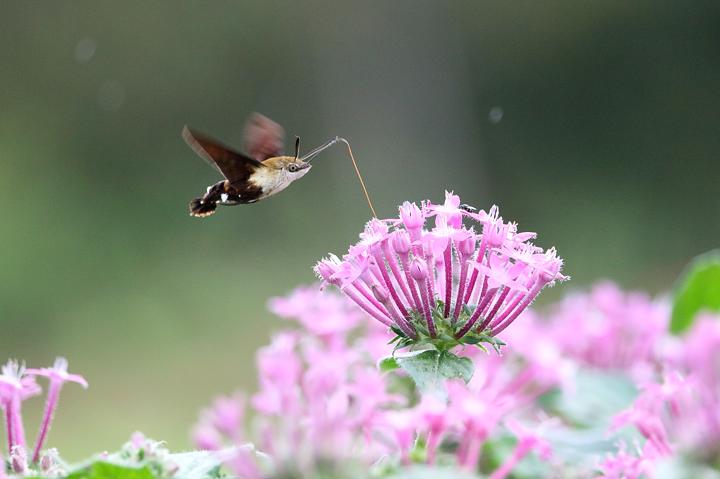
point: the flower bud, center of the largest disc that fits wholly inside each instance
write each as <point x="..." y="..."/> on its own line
<point x="401" y="242"/>
<point x="325" y="269"/>
<point x="418" y="269"/>
<point x="466" y="247"/>
<point x="18" y="459"/>
<point x="411" y="216"/>
<point x="381" y="294"/>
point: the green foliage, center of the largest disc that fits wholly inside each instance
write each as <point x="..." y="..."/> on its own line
<point x="586" y="411"/>
<point x="596" y="397"/>
<point x="150" y="460"/>
<point x="446" y="333"/>
<point x="697" y="290"/>
<point x="430" y="472"/>
<point x="430" y="362"/>
<point x="197" y="464"/>
<point x="388" y="364"/>
<point x="430" y="368"/>
<point x="107" y="470"/>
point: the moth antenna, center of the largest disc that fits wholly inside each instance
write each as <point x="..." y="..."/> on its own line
<point x="297" y="147"/>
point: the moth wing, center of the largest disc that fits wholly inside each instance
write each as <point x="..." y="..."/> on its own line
<point x="234" y="166"/>
<point x="263" y="137"/>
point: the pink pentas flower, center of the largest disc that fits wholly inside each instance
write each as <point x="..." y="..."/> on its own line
<point x="57" y="375"/>
<point x="307" y="304"/>
<point x="608" y="328"/>
<point x="527" y="441"/>
<point x="15" y="387"/>
<point x="623" y="465"/>
<point x="447" y="285"/>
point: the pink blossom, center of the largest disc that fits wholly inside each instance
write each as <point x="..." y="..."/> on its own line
<point x="15" y="387"/>
<point x="400" y="273"/>
<point x="58" y="375"/>
<point x="609" y="328"/>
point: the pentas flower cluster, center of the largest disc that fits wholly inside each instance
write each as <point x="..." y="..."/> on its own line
<point x="434" y="280"/>
<point x="611" y="329"/>
<point x="324" y="409"/>
<point x="17" y="384"/>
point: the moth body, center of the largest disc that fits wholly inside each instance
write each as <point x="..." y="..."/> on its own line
<point x="251" y="177"/>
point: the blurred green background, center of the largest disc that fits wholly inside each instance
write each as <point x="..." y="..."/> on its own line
<point x="593" y="123"/>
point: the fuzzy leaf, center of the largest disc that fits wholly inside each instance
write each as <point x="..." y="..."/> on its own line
<point x="430" y="368"/>
<point x="595" y="399"/>
<point x="699" y="288"/>
<point x="433" y="472"/>
<point x="388" y="364"/>
<point x="107" y="470"/>
<point x="198" y="464"/>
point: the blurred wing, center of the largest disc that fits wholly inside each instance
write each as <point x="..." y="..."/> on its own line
<point x="263" y="137"/>
<point x="234" y="166"/>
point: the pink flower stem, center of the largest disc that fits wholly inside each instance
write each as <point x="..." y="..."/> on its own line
<point x="50" y="406"/>
<point x="425" y="303"/>
<point x="358" y="299"/>
<point x="390" y="286"/>
<point x="461" y="289"/>
<point x="433" y="441"/>
<point x="484" y="291"/>
<point x="500" y="298"/>
<point x="521" y="450"/>
<point x="405" y="262"/>
<point x="472" y="453"/>
<point x="18" y="431"/>
<point x="430" y="321"/>
<point x="388" y="310"/>
<point x="520" y="381"/>
<point x="508" y="309"/>
<point x="519" y="309"/>
<point x="10" y="425"/>
<point x="389" y="255"/>
<point x="473" y="278"/>
<point x="399" y="320"/>
<point x="364" y="290"/>
<point x="431" y="280"/>
<point x="473" y="319"/>
<point x="448" y="278"/>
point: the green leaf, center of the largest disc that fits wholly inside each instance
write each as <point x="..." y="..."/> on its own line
<point x="699" y="288"/>
<point x="430" y="368"/>
<point x="108" y="470"/>
<point x="198" y="464"/>
<point x="430" y="472"/>
<point x="187" y="465"/>
<point x="388" y="364"/>
<point x="595" y="399"/>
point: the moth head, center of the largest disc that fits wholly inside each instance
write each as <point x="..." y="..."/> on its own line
<point x="297" y="169"/>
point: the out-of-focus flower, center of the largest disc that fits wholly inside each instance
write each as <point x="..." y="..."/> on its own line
<point x="57" y="375"/>
<point x="17" y="384"/>
<point x="324" y="404"/>
<point x="623" y="465"/>
<point x="610" y="329"/>
<point x="695" y="401"/>
<point x="15" y="387"/>
<point x="322" y="314"/>
<point x="445" y="285"/>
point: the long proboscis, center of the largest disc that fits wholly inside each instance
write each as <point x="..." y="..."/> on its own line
<point x="313" y="153"/>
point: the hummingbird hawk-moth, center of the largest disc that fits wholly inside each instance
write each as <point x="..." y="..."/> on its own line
<point x="249" y="177"/>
